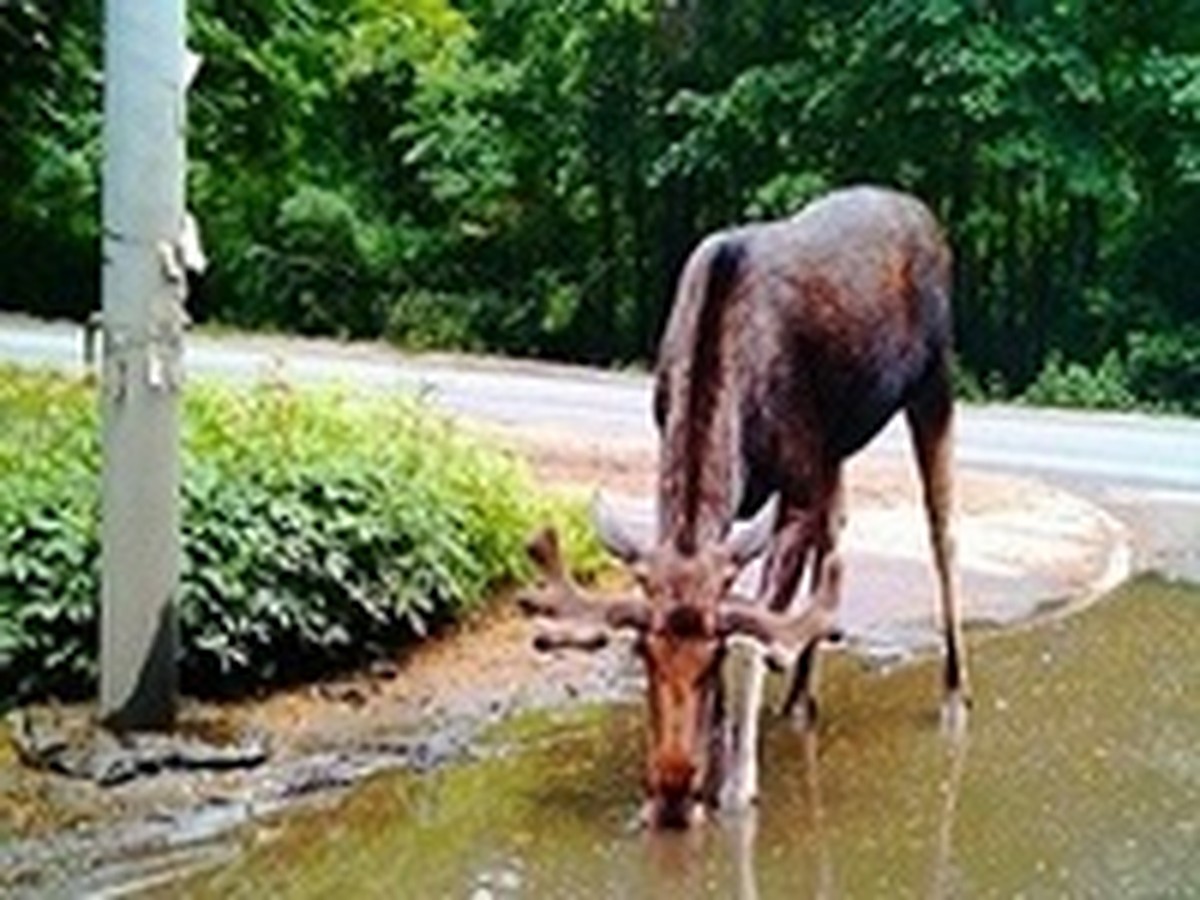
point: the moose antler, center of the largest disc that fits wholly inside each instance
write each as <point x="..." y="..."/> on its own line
<point x="559" y="598"/>
<point x="784" y="636"/>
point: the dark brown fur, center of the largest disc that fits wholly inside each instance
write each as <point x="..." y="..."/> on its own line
<point x="845" y="319"/>
<point x="790" y="345"/>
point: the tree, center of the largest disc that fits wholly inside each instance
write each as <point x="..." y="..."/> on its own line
<point x="49" y="156"/>
<point x="529" y="177"/>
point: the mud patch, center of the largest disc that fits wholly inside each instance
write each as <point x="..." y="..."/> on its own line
<point x="67" y="742"/>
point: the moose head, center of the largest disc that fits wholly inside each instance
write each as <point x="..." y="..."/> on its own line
<point x="683" y="618"/>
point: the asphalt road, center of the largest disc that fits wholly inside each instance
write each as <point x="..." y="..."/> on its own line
<point x="1145" y="468"/>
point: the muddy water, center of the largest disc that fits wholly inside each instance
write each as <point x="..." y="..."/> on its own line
<point x="1079" y="775"/>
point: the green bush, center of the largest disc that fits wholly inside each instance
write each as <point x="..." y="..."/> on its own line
<point x="1074" y="384"/>
<point x="970" y="388"/>
<point x="319" y="530"/>
<point x="1164" y="368"/>
<point x="324" y="267"/>
<point x="429" y="320"/>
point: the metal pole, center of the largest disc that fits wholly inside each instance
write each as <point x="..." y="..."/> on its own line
<point x="143" y="287"/>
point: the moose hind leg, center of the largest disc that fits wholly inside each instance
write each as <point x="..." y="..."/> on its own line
<point x="824" y="526"/>
<point x="931" y="418"/>
<point x="800" y="704"/>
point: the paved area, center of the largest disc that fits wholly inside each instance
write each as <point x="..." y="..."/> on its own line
<point x="1025" y="549"/>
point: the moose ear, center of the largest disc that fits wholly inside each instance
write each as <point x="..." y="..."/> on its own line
<point x="613" y="533"/>
<point x="748" y="541"/>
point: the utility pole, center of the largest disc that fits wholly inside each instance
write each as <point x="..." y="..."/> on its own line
<point x="143" y="287"/>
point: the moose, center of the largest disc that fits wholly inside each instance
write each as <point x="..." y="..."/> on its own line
<point x="790" y="344"/>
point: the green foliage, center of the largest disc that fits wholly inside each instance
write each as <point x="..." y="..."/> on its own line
<point x="529" y="177"/>
<point x="298" y="174"/>
<point x="970" y="388"/>
<point x="429" y="320"/>
<point x="49" y="155"/>
<point x="1164" y="368"/>
<point x="1074" y="384"/>
<point x="325" y="266"/>
<point x="49" y="548"/>
<point x="319" y="531"/>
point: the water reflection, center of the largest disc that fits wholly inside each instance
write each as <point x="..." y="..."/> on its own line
<point x="825" y="882"/>
<point x="675" y="862"/>
<point x="1077" y="778"/>
<point x="681" y="864"/>
<point x="740" y="835"/>
<point x="956" y="741"/>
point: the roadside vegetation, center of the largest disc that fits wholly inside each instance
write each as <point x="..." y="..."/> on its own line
<point x="320" y="532"/>
<point x="527" y="177"/>
<point x="1157" y="373"/>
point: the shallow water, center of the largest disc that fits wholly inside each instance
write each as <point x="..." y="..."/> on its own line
<point x="1079" y="775"/>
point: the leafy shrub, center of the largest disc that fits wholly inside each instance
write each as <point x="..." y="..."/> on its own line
<point x="319" y="530"/>
<point x="1074" y="384"/>
<point x="970" y="388"/>
<point x="324" y="264"/>
<point x="49" y="545"/>
<point x="1164" y="368"/>
<point x="431" y="320"/>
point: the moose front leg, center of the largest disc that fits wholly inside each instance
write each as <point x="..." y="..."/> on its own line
<point x="794" y="541"/>
<point x="744" y="671"/>
<point x="811" y="536"/>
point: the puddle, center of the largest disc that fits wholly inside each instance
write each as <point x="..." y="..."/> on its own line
<point x="1078" y="776"/>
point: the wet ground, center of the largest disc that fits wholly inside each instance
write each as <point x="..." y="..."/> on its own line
<point x="1077" y="776"/>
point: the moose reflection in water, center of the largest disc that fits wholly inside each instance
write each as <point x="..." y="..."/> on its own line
<point x="678" y="865"/>
<point x="789" y="346"/>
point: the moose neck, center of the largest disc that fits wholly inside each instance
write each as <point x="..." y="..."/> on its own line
<point x="699" y="464"/>
<point x="698" y="481"/>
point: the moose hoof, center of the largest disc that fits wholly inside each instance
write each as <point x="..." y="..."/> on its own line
<point x="739" y="793"/>
<point x="955" y="713"/>
<point x="801" y="712"/>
